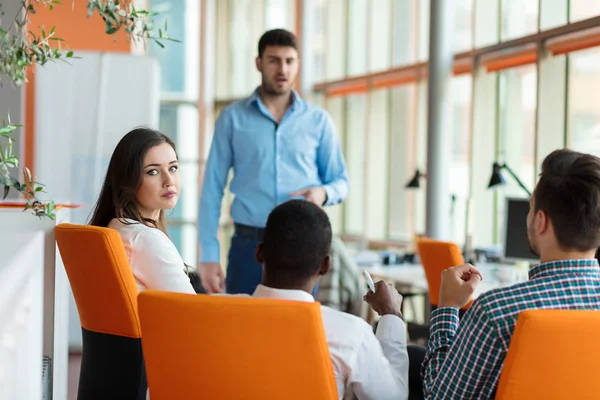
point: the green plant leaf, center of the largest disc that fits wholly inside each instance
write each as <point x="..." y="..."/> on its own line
<point x="6" y="190"/>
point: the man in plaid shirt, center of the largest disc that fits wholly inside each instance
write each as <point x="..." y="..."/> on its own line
<point x="464" y="360"/>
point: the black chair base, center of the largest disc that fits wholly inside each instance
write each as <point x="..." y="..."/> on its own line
<point x="112" y="367"/>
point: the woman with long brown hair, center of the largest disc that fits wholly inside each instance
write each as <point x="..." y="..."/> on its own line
<point x="141" y="182"/>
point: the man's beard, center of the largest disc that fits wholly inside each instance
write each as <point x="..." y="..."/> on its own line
<point x="273" y="90"/>
<point x="531" y="247"/>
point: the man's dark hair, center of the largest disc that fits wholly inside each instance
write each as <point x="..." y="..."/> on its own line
<point x="296" y="240"/>
<point x="568" y="191"/>
<point x="277" y="37"/>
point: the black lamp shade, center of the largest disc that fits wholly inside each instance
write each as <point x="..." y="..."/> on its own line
<point x="496" y="178"/>
<point x="414" y="183"/>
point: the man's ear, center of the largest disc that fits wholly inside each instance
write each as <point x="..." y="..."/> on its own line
<point x="325" y="265"/>
<point x="258" y="254"/>
<point x="542" y="222"/>
<point x="258" y="64"/>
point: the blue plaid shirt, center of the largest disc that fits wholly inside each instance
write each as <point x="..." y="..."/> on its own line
<point x="464" y="360"/>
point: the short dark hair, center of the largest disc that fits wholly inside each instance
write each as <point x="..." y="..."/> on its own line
<point x="277" y="37"/>
<point x="296" y="240"/>
<point x="568" y="191"/>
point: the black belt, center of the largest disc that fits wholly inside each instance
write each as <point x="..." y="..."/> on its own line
<point x="249" y="232"/>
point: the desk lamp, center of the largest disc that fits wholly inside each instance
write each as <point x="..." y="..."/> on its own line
<point x="497" y="178"/>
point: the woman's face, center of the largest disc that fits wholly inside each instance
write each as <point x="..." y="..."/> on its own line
<point x="160" y="181"/>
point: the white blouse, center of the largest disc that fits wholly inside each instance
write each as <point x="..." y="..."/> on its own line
<point x="153" y="258"/>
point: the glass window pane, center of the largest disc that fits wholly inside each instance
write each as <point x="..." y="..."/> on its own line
<point x="240" y="48"/>
<point x="553" y="13"/>
<point x="380" y="37"/>
<point x="463" y="25"/>
<point x="319" y="39"/>
<point x="357" y="37"/>
<point x="335" y="107"/>
<point x="404" y="32"/>
<point x="423" y="30"/>
<point x="486" y="22"/>
<point x="517" y="135"/>
<point x="402" y="162"/>
<point x="460" y="159"/>
<point x="481" y="205"/>
<point x="584" y="103"/>
<point x="420" y="150"/>
<point x="583" y="9"/>
<point x="223" y="57"/>
<point x="184" y="236"/>
<point x="180" y="123"/>
<point x="179" y="61"/>
<point x="280" y="14"/>
<point x="519" y="18"/>
<point x="551" y="104"/>
<point x="377" y="165"/>
<point x="354" y="210"/>
<point x="336" y="40"/>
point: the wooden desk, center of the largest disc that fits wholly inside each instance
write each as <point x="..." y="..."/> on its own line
<point x="411" y="278"/>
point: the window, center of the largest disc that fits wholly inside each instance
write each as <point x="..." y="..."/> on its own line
<point x="354" y="221"/>
<point x="517" y="102"/>
<point x="584" y="104"/>
<point x="486" y="22"/>
<point x="335" y="50"/>
<point x="519" y="18"/>
<point x="376" y="166"/>
<point x="402" y="161"/>
<point x="179" y="113"/>
<point x="357" y="37"/>
<point x="404" y="32"/>
<point x="460" y="158"/>
<point x="583" y="9"/>
<point x="463" y="25"/>
<point x="336" y="108"/>
<point x="485" y="130"/>
<point x="553" y="13"/>
<point x="380" y="35"/>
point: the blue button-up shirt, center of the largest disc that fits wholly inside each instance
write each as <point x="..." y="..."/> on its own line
<point x="269" y="162"/>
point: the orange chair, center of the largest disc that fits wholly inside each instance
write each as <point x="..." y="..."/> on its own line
<point x="112" y="363"/>
<point x="435" y="257"/>
<point x="553" y="354"/>
<point x="228" y="347"/>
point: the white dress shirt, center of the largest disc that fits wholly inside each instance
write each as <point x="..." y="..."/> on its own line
<point x="153" y="258"/>
<point x="375" y="366"/>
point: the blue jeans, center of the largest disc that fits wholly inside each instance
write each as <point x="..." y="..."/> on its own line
<point x="244" y="273"/>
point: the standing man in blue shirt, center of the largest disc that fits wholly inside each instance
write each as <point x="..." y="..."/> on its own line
<point x="280" y="147"/>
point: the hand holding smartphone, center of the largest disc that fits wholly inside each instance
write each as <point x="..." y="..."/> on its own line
<point x="369" y="280"/>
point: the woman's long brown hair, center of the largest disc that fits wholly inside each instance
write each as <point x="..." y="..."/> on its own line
<point x="118" y="197"/>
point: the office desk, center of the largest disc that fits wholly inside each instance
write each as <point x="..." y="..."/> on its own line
<point x="411" y="278"/>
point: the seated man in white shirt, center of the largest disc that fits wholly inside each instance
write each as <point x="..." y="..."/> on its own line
<point x="295" y="254"/>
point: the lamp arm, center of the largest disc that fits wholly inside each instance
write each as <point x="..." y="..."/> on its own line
<point x="510" y="171"/>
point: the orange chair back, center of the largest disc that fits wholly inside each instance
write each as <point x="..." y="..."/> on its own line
<point x="553" y="354"/>
<point x="437" y="256"/>
<point x="227" y="347"/>
<point x="102" y="281"/>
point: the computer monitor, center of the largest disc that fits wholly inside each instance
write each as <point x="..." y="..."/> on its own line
<point x="515" y="243"/>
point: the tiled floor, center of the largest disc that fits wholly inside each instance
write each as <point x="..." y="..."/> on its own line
<point x="74" y="365"/>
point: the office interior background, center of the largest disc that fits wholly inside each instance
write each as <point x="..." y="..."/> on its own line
<point x="525" y="81"/>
